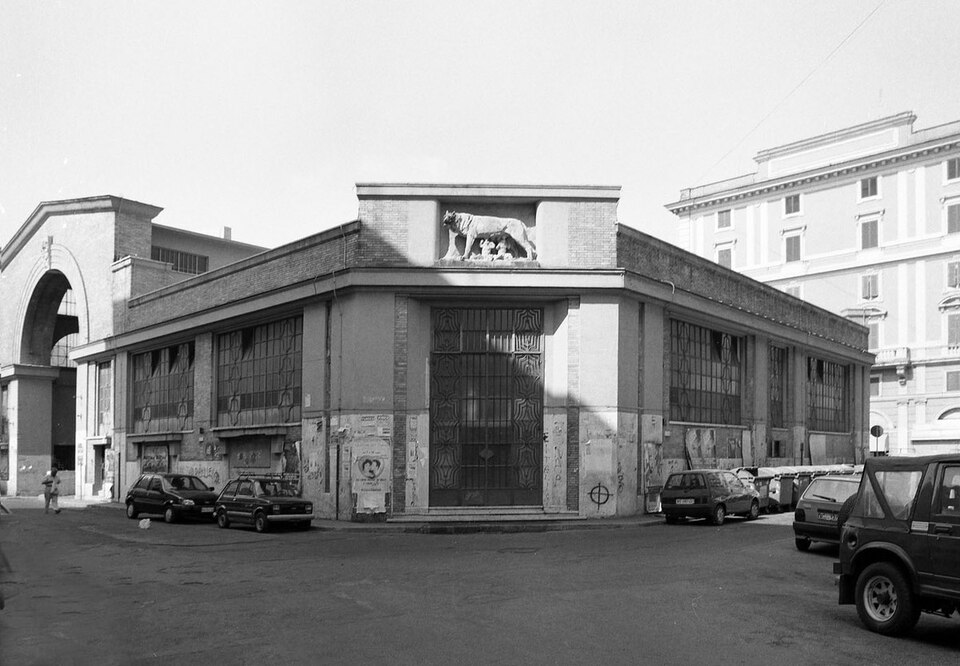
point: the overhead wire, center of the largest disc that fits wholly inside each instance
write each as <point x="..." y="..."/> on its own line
<point x="783" y="100"/>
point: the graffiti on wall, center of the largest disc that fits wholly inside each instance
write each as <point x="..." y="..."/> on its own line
<point x="210" y="474"/>
<point x="155" y="458"/>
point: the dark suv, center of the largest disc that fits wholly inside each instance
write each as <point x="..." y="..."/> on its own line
<point x="900" y="547"/>
<point x="262" y="500"/>
<point x="172" y="495"/>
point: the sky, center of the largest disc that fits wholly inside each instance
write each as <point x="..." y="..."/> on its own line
<point x="262" y="116"/>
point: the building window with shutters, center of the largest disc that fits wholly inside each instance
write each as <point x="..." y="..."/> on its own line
<point x="869" y="188"/>
<point x="792" y="246"/>
<point x="724" y="255"/>
<point x="869" y="233"/>
<point x="953" y="275"/>
<point x="952" y="211"/>
<point x="791" y="205"/>
<point x="953" y="329"/>
<point x="953" y="168"/>
<point x="869" y="287"/>
<point x="723" y="219"/>
<point x="953" y="381"/>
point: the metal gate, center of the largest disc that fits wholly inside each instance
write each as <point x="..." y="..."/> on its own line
<point x="486" y="407"/>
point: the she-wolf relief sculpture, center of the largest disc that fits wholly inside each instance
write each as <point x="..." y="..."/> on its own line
<point x="495" y="235"/>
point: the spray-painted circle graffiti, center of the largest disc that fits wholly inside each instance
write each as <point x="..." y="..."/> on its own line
<point x="599" y="494"/>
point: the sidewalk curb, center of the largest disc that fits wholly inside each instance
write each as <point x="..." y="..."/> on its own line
<point x="451" y="527"/>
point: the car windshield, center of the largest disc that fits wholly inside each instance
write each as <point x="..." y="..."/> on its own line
<point x="685" y="481"/>
<point x="831" y="490"/>
<point x="185" y="483"/>
<point x="272" y="488"/>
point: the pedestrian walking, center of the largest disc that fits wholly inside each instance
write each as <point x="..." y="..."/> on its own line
<point x="51" y="491"/>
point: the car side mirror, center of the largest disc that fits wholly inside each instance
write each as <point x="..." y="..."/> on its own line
<point x="210" y="488"/>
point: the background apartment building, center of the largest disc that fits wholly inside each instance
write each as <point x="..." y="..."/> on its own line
<point x="865" y="222"/>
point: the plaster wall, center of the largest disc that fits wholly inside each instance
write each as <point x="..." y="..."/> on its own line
<point x="81" y="247"/>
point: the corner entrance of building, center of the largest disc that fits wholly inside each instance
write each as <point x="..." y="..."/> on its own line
<point x="486" y="407"/>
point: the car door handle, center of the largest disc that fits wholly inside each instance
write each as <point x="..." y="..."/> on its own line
<point x="942" y="529"/>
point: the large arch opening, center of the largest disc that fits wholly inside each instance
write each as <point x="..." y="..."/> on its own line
<point x="49" y="333"/>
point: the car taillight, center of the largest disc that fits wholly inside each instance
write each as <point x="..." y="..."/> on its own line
<point x="799" y="515"/>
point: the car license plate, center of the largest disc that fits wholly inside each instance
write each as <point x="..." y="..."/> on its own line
<point x="206" y="509"/>
<point x="830" y="517"/>
<point x="684" y="501"/>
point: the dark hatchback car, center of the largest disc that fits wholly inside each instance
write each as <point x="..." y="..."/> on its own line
<point x="708" y="493"/>
<point x="263" y="500"/>
<point x="173" y="496"/>
<point x="817" y="517"/>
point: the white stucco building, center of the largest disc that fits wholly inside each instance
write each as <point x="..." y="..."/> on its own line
<point x="865" y="222"/>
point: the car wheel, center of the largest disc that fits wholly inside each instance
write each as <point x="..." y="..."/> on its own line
<point x="260" y="522"/>
<point x="132" y="510"/>
<point x="719" y="515"/>
<point x="169" y="515"/>
<point x="885" y="602"/>
<point x="754" y="512"/>
<point x="802" y="544"/>
<point x="222" y="520"/>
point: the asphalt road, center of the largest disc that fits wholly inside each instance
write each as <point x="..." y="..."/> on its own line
<point x="89" y="587"/>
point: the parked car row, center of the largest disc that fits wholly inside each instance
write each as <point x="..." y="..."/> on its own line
<point x="780" y="497"/>
<point x="708" y="493"/>
<point x="260" y="500"/>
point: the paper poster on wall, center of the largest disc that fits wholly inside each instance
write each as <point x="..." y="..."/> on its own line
<point x="370" y="468"/>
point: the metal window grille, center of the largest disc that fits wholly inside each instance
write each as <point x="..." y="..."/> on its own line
<point x="706" y="374"/>
<point x="486" y="407"/>
<point x="259" y="374"/>
<point x="163" y="389"/>
<point x="778" y="386"/>
<point x="183" y="262"/>
<point x="828" y="395"/>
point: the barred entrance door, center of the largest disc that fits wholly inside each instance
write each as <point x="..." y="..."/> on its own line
<point x="486" y="407"/>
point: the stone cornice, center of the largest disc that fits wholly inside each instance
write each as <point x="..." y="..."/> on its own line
<point x="785" y="184"/>
<point x="471" y="190"/>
